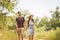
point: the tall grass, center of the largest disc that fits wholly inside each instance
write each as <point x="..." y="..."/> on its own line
<point x="39" y="34"/>
<point x="58" y="34"/>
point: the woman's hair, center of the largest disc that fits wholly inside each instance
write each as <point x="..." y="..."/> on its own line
<point x="30" y="18"/>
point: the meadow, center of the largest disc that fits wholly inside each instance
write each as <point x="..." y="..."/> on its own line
<point x="40" y="34"/>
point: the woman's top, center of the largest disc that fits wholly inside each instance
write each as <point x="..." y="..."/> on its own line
<point x="31" y="24"/>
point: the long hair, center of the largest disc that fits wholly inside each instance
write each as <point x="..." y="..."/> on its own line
<point x="29" y="19"/>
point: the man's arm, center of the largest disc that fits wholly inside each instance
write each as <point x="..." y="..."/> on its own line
<point x="24" y="20"/>
<point x="16" y="25"/>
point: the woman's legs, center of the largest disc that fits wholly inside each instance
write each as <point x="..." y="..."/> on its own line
<point x="30" y="37"/>
<point x="31" y="33"/>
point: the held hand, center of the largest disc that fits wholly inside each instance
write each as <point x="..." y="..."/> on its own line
<point x="33" y="28"/>
<point x="16" y="28"/>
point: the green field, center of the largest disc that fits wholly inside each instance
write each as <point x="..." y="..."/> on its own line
<point x="39" y="34"/>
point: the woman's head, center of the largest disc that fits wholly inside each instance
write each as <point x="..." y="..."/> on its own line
<point x="31" y="17"/>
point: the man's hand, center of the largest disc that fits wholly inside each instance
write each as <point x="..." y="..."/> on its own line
<point x="16" y="26"/>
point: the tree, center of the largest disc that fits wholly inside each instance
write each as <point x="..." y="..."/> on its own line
<point x="36" y="21"/>
<point x="56" y="14"/>
<point x="5" y="5"/>
<point x="8" y="4"/>
<point x="25" y="13"/>
<point x="55" y="20"/>
<point x="44" y="21"/>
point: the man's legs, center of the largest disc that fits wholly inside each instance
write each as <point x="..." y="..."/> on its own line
<point x="18" y="32"/>
<point x="22" y="33"/>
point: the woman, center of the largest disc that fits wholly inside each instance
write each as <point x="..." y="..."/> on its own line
<point x="31" y="27"/>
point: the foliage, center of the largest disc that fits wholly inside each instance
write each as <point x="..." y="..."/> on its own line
<point x="8" y="4"/>
<point x="55" y="20"/>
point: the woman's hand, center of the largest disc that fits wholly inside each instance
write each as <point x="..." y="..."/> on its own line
<point x="33" y="28"/>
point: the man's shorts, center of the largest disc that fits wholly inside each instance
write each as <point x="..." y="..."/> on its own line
<point x="20" y="30"/>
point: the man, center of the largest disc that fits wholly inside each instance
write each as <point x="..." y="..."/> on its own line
<point x="20" y="25"/>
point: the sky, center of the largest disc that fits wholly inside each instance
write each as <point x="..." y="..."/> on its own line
<point x="38" y="8"/>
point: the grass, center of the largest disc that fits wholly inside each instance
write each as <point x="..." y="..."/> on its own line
<point x="58" y="34"/>
<point x="39" y="34"/>
<point x="8" y="35"/>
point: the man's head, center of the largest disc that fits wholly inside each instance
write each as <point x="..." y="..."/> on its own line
<point x="19" y="13"/>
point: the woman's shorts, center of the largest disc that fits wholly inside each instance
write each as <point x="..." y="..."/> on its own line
<point x="30" y="31"/>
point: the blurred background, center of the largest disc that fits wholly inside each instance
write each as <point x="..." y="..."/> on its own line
<point x="46" y="15"/>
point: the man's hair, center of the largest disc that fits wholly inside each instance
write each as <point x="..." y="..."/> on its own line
<point x="19" y="12"/>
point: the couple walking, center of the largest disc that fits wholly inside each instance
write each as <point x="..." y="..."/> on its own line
<point x="20" y="26"/>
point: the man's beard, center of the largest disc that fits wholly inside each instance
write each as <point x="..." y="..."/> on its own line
<point x="19" y="15"/>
